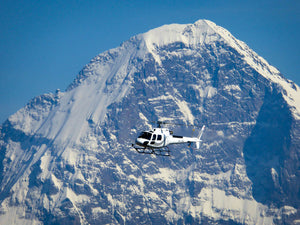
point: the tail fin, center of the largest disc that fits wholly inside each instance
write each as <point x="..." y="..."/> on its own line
<point x="199" y="137"/>
<point x="201" y="132"/>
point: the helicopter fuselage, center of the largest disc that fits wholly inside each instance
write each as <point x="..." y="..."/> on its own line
<point x="162" y="137"/>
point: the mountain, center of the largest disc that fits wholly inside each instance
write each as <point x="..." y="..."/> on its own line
<point x="66" y="157"/>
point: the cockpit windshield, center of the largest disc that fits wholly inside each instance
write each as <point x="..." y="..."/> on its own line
<point x="145" y="135"/>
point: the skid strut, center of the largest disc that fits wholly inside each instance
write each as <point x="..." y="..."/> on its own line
<point x="165" y="151"/>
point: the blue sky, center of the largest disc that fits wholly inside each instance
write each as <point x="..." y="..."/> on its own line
<point x="44" y="44"/>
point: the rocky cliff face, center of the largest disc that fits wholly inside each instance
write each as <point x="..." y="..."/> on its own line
<point x="66" y="157"/>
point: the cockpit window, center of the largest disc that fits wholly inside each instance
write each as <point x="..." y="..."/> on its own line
<point x="145" y="135"/>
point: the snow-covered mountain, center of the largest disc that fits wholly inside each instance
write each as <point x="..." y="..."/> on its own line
<point x="66" y="157"/>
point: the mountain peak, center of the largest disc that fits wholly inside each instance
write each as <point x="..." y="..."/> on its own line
<point x="189" y="34"/>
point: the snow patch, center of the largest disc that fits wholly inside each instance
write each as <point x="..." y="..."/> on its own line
<point x="230" y="88"/>
<point x="165" y="174"/>
<point x="115" y="202"/>
<point x="150" y="79"/>
<point x="220" y="205"/>
<point x="185" y="110"/>
<point x="275" y="177"/>
<point x="45" y="160"/>
<point x="182" y="106"/>
<point x="17" y="215"/>
<point x="205" y="92"/>
<point x="99" y="210"/>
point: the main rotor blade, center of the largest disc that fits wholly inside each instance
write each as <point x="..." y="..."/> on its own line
<point x="159" y="123"/>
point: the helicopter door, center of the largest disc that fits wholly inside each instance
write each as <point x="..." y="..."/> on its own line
<point x="159" y="137"/>
<point x="153" y="139"/>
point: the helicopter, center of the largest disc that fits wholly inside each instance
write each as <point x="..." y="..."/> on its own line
<point x="156" y="141"/>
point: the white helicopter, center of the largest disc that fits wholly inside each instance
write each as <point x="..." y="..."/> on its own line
<point x="156" y="141"/>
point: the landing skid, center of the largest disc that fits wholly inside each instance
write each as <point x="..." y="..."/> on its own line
<point x="165" y="151"/>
